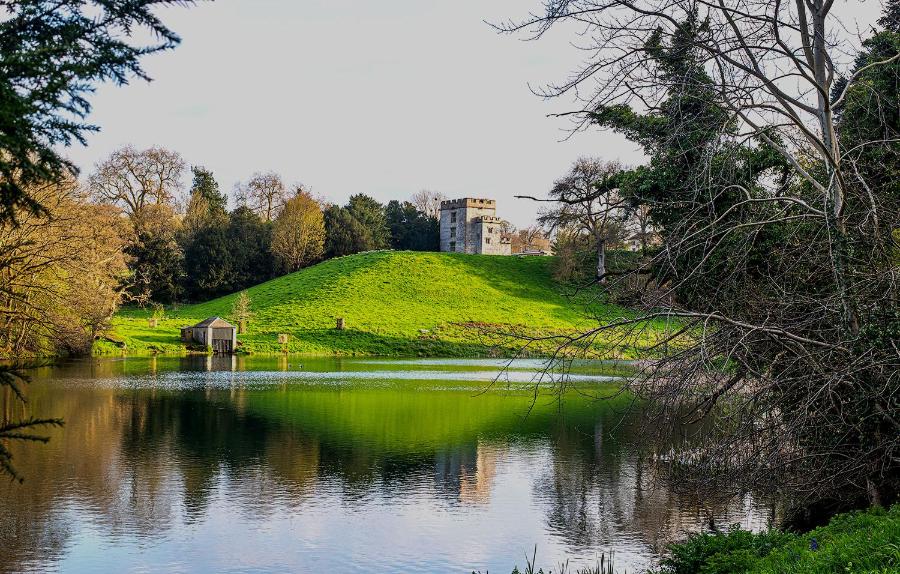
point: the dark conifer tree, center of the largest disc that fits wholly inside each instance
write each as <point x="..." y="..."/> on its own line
<point x="344" y="235"/>
<point x="51" y="55"/>
<point x="206" y="186"/>
<point x="410" y="228"/>
<point x="157" y="267"/>
<point x="890" y="18"/>
<point x="249" y="241"/>
<point x="370" y="214"/>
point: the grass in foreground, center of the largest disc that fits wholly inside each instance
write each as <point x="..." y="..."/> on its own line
<point x="393" y="303"/>
<point x="858" y="542"/>
<point x="852" y="543"/>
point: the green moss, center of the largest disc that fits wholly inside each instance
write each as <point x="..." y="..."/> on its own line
<point x="393" y="303"/>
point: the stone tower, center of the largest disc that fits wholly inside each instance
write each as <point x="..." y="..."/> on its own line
<point x="471" y="225"/>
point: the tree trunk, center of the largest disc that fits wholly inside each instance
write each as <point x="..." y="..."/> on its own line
<point x="874" y="493"/>
<point x="601" y="260"/>
<point x="835" y="197"/>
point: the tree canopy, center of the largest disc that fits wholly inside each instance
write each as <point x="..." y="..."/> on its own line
<point x="298" y="235"/>
<point x="52" y="53"/>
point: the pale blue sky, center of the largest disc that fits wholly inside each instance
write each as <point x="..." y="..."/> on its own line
<point x="383" y="98"/>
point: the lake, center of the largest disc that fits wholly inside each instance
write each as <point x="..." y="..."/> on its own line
<point x="226" y="464"/>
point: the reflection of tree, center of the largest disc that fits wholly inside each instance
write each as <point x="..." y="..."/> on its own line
<point x="604" y="486"/>
<point x="201" y="438"/>
<point x="130" y="460"/>
<point x="580" y="506"/>
<point x="78" y="462"/>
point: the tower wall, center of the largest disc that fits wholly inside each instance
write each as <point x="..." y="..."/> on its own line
<point x="461" y="224"/>
<point x="490" y="236"/>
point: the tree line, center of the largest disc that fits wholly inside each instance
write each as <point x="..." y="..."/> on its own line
<point x="130" y="234"/>
<point x="200" y="250"/>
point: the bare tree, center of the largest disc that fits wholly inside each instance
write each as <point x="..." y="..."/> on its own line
<point x="587" y="201"/>
<point x="135" y="179"/>
<point x="773" y="285"/>
<point x="428" y="202"/>
<point x="264" y="193"/>
<point x="529" y="239"/>
<point x="241" y="311"/>
<point x="507" y="229"/>
<point x="640" y="223"/>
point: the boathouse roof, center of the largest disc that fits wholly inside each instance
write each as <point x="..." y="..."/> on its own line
<point x="215" y="322"/>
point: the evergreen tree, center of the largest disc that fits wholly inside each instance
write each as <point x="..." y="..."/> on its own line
<point x="344" y="235"/>
<point x="206" y="186"/>
<point x="157" y="267"/>
<point x="685" y="135"/>
<point x="370" y="214"/>
<point x="869" y="113"/>
<point x="204" y="240"/>
<point x="410" y="228"/>
<point x="890" y="18"/>
<point x="208" y="264"/>
<point x="52" y="55"/>
<point x="249" y="241"/>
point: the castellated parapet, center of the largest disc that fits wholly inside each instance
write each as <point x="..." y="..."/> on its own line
<point x="471" y="225"/>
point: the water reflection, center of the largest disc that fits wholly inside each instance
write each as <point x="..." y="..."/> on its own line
<point x="210" y="464"/>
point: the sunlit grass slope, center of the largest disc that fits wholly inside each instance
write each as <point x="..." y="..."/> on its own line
<point x="393" y="303"/>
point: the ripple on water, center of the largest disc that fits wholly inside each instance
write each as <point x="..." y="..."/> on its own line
<point x="373" y="465"/>
<point x="224" y="379"/>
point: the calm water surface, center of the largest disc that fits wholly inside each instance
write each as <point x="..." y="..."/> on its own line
<point x="282" y="465"/>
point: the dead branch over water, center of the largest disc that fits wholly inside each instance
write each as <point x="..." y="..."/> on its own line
<point x="776" y="287"/>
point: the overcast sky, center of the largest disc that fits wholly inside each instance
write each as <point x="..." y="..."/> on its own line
<point x="380" y="97"/>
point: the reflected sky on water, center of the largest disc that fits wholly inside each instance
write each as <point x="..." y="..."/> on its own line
<point x="341" y="465"/>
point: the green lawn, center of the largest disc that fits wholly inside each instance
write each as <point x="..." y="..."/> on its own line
<point x="393" y="303"/>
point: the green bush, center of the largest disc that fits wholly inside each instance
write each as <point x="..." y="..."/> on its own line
<point x="858" y="542"/>
<point x="721" y="553"/>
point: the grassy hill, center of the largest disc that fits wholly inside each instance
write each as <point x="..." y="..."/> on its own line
<point x="393" y="303"/>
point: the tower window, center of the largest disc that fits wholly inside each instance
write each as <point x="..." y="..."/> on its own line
<point x="487" y="239"/>
<point x="452" y="232"/>
<point x="452" y="217"/>
<point x="452" y="246"/>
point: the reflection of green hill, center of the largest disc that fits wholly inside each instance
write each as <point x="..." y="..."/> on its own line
<point x="408" y="418"/>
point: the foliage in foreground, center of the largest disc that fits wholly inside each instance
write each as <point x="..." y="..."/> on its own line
<point x="860" y="542"/>
<point x="603" y="566"/>
<point x="17" y="429"/>
<point x="777" y="208"/>
<point x="53" y="55"/>
<point x="60" y="273"/>
<point x="393" y="303"/>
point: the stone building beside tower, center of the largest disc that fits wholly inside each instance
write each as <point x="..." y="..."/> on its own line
<point x="471" y="225"/>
